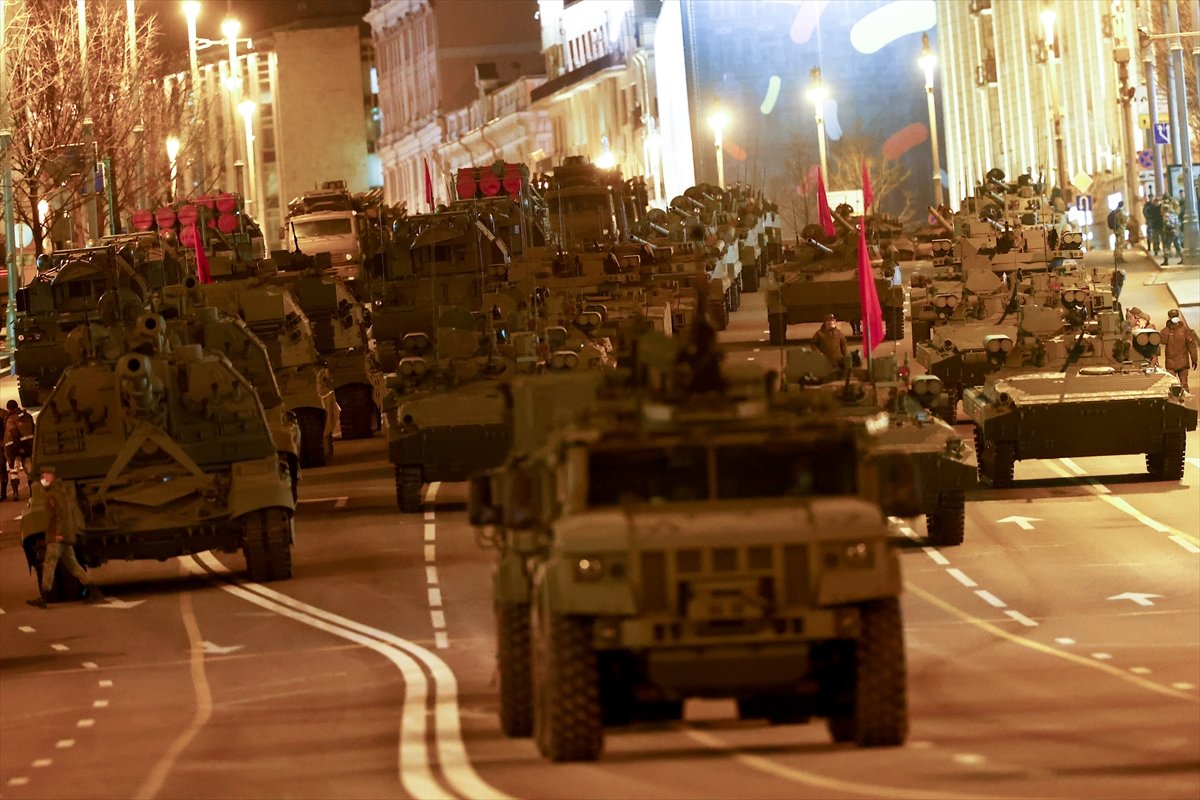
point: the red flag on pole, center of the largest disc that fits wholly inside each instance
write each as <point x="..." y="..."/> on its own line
<point x="428" y="186"/>
<point x="868" y="195"/>
<point x="203" y="273"/>
<point x="823" y="207"/>
<point x="868" y="294"/>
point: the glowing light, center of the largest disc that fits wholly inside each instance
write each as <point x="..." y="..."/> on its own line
<point x="247" y="108"/>
<point x="606" y="160"/>
<point x="172" y="147"/>
<point x="888" y="23"/>
<point x="718" y="120"/>
<point x="230" y="28"/>
<point x="191" y="9"/>
<point x="773" y="86"/>
<point x="1049" y="17"/>
<point x="928" y="61"/>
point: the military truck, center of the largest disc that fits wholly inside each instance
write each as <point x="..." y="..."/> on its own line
<point x="691" y="541"/>
<point x="1088" y="411"/>
<point x="918" y="463"/>
<point x="166" y="452"/>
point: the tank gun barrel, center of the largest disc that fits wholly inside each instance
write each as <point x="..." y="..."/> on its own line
<point x="659" y="229"/>
<point x="997" y="199"/>
<point x="941" y="220"/>
<point x="843" y="222"/>
<point x="815" y="245"/>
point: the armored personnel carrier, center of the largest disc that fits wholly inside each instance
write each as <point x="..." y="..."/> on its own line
<point x="65" y="294"/>
<point x="1091" y="411"/>
<point x="166" y="451"/>
<point x="688" y="541"/>
<point x="919" y="463"/>
<point x="821" y="279"/>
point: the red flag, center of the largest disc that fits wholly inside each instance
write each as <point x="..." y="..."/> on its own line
<point x="868" y="295"/>
<point x="823" y="207"/>
<point x="428" y="186"/>
<point x="868" y="195"/>
<point x="203" y="274"/>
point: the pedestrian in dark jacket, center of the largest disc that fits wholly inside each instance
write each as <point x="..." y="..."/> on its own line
<point x="1179" y="347"/>
<point x="61" y="531"/>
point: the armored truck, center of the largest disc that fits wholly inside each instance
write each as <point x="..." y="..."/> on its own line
<point x="689" y="542"/>
<point x="166" y="451"/>
<point x="1091" y="411"/>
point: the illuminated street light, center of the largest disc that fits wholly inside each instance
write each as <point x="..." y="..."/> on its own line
<point x="230" y="28"/>
<point x="818" y="93"/>
<point x="928" y="61"/>
<point x="172" y="154"/>
<point x="717" y="121"/>
<point x="247" y="108"/>
<point x="1049" y="18"/>
<point x="607" y="158"/>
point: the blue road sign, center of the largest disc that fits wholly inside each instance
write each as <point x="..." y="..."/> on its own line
<point x="1145" y="159"/>
<point x="1162" y="133"/>
<point x="1084" y="202"/>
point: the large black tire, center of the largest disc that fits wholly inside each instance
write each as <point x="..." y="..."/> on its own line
<point x="735" y="296"/>
<point x="408" y="488"/>
<point x="312" y="437"/>
<point x="1167" y="465"/>
<point x="358" y="414"/>
<point x="750" y="278"/>
<point x="878" y="714"/>
<point x="893" y="324"/>
<point x="777" y="329"/>
<point x="513" y="664"/>
<point x="267" y="544"/>
<point x="567" y="716"/>
<point x="718" y="313"/>
<point x="1003" y="462"/>
<point x="946" y="524"/>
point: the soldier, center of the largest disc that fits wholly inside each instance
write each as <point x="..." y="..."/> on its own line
<point x="1179" y="347"/>
<point x="62" y="526"/>
<point x="1170" y="230"/>
<point x="18" y="445"/>
<point x="1154" y="223"/>
<point x="3" y="457"/>
<point x="831" y="341"/>
<point x="1118" y="220"/>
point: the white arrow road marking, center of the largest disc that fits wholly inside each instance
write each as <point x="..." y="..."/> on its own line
<point x="116" y="602"/>
<point x="1195" y="462"/>
<point x="414" y="762"/>
<point x="1021" y="522"/>
<point x="216" y="649"/>
<point x="1184" y="543"/>
<point x="1140" y="599"/>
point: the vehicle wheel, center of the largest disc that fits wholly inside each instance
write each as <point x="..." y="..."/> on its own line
<point x="408" y="489"/>
<point x="893" y="325"/>
<point x="878" y="716"/>
<point x="777" y="329"/>
<point x="516" y="680"/>
<point x="735" y="296"/>
<point x="1167" y="465"/>
<point x="27" y="390"/>
<point x="718" y="314"/>
<point x="567" y="723"/>
<point x="267" y="544"/>
<point x="949" y="412"/>
<point x="357" y="417"/>
<point x="1003" y="462"/>
<point x="750" y="279"/>
<point x="946" y="523"/>
<point x="312" y="437"/>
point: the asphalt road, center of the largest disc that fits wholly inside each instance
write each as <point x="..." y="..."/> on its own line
<point x="1056" y="653"/>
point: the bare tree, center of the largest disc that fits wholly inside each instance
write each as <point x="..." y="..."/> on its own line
<point x="51" y="94"/>
<point x="847" y="156"/>
<point x="802" y="161"/>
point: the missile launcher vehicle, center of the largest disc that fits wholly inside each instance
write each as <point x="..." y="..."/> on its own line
<point x="685" y="537"/>
<point x="166" y="452"/>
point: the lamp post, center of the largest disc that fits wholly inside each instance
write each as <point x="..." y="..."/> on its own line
<point x="172" y="154"/>
<point x="247" y="108"/>
<point x="191" y="10"/>
<point x="1049" y="17"/>
<point x="928" y="61"/>
<point x="817" y="93"/>
<point x="717" y="121"/>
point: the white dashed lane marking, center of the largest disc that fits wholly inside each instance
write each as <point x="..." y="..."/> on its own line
<point x="1102" y="656"/>
<point x="20" y="780"/>
<point x="62" y="648"/>
<point x="106" y="683"/>
<point x="90" y="665"/>
<point x="440" y="639"/>
<point x="64" y="744"/>
<point x="961" y="577"/>
<point x="1140" y="670"/>
<point x="1063" y="640"/>
<point x="99" y="704"/>
<point x="27" y="629"/>
<point x="1021" y="618"/>
<point x="85" y="723"/>
<point x="990" y="598"/>
<point x="937" y="557"/>
<point x="435" y="598"/>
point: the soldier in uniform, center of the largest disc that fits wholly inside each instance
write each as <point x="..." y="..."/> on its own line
<point x="3" y="457"/>
<point x="18" y="445"/>
<point x="831" y="341"/>
<point x="1179" y="347"/>
<point x="61" y="529"/>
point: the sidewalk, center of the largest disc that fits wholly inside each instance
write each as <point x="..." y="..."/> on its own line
<point x="1155" y="288"/>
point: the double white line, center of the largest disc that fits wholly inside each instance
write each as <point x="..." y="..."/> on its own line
<point x="444" y="773"/>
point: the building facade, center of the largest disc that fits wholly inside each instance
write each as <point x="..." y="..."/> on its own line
<point x="440" y="65"/>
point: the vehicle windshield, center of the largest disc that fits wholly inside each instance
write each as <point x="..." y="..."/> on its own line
<point x="311" y="229"/>
<point x="681" y="473"/>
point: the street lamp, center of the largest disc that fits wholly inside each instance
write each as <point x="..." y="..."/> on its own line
<point x="717" y="121"/>
<point x="1049" y="17"/>
<point x="172" y="154"/>
<point x="818" y="93"/>
<point x="928" y="61"/>
<point x="247" y="108"/>
<point x="191" y="10"/>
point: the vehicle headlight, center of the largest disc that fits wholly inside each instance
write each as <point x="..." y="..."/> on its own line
<point x="849" y="555"/>
<point x="877" y="424"/>
<point x="590" y="568"/>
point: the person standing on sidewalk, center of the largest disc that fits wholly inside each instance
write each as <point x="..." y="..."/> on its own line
<point x="1171" y="230"/>
<point x="1154" y="223"/>
<point x="1118" y="221"/>
<point x="1179" y="347"/>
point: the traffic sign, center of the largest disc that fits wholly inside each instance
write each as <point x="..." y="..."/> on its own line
<point x="1084" y="202"/>
<point x="1145" y="159"/>
<point x="1162" y="133"/>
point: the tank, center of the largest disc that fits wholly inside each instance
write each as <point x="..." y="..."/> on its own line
<point x="919" y="464"/>
<point x="167" y="452"/>
<point x="686" y="538"/>
<point x="1088" y="411"/>
<point x="822" y="278"/>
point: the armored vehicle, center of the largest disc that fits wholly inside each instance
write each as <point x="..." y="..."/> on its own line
<point x="919" y="463"/>
<point x="693" y="541"/>
<point x="166" y="452"/>
<point x="821" y="279"/>
<point x="1091" y="411"/>
<point x="65" y="294"/>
